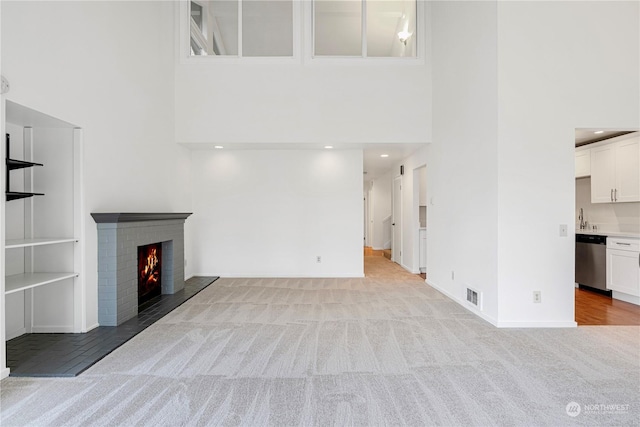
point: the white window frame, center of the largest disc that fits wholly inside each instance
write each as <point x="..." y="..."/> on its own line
<point x="303" y="41"/>
<point x="184" y="39"/>
<point x="422" y="28"/>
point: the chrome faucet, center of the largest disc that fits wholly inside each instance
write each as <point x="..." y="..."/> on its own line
<point x="583" y="224"/>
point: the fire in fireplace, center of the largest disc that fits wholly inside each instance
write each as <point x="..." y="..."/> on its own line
<point x="149" y="269"/>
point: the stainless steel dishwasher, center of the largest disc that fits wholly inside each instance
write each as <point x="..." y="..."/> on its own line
<point x="591" y="261"/>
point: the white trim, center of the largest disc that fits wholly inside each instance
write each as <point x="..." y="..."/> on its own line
<point x="537" y="324"/>
<point x="394" y="251"/>
<point x="501" y="324"/>
<point x="280" y="276"/>
<point x="79" y="257"/>
<point x="632" y="299"/>
<point x="410" y="270"/>
<point x="462" y="303"/>
<point x="95" y="325"/>
<point x="4" y="373"/>
<point x="15" y="334"/>
<point x="66" y="329"/>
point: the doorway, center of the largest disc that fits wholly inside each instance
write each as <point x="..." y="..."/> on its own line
<point x="396" y="225"/>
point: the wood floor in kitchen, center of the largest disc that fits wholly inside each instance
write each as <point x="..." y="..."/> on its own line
<point x="593" y="308"/>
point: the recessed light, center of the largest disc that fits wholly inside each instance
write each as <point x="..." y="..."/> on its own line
<point x="599" y="132"/>
<point x="384" y="155"/>
<point x="218" y="147"/>
<point x="328" y="147"/>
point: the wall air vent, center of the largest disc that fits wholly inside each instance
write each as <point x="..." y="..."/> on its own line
<point x="474" y="297"/>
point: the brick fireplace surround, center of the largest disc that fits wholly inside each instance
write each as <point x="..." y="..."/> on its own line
<point x="119" y="235"/>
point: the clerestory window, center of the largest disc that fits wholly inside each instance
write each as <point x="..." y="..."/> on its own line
<point x="271" y="28"/>
<point x="364" y="28"/>
<point x="241" y="28"/>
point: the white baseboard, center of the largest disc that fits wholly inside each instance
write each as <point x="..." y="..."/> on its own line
<point x="281" y="276"/>
<point x="52" y="329"/>
<point x="537" y="324"/>
<point x="14" y="334"/>
<point x="410" y="270"/>
<point x="4" y="373"/>
<point x="626" y="297"/>
<point x="464" y="304"/>
<point x="499" y="324"/>
<point x="92" y="327"/>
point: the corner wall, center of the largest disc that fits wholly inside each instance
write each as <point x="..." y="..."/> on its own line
<point x="462" y="162"/>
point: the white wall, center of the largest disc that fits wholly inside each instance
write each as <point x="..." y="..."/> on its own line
<point x="381" y="190"/>
<point x="270" y="213"/>
<point x="304" y="101"/>
<point x="107" y="67"/>
<point x="507" y="99"/>
<point x="581" y="71"/>
<point x="607" y="216"/>
<point x="462" y="224"/>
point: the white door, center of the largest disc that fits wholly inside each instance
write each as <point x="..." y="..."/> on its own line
<point x="396" y="225"/>
<point x="366" y="220"/>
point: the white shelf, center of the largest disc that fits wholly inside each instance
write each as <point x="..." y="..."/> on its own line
<point x="20" y="282"/>
<point x="23" y="243"/>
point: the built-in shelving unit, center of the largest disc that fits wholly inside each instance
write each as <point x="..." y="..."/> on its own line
<point x="23" y="243"/>
<point x="13" y="164"/>
<point x="20" y="282"/>
<point x="42" y="286"/>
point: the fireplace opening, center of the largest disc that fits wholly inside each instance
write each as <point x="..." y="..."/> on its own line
<point x="149" y="269"/>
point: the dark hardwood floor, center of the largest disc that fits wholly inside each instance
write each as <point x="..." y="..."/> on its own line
<point x="593" y="308"/>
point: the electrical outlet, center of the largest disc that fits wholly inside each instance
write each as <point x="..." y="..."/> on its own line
<point x="185" y="262"/>
<point x="452" y="275"/>
<point x="318" y="259"/>
<point x="537" y="296"/>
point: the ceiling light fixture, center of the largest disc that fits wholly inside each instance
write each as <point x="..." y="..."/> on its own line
<point x="598" y="132"/>
<point x="384" y="155"/>
<point x="218" y="147"/>
<point x="403" y="36"/>
<point x="328" y="147"/>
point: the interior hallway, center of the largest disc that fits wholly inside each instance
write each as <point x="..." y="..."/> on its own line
<point x="384" y="349"/>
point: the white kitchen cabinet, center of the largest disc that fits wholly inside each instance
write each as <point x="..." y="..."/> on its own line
<point x="628" y="171"/>
<point x="583" y="162"/>
<point x="623" y="266"/>
<point x="615" y="170"/>
<point x="603" y="176"/>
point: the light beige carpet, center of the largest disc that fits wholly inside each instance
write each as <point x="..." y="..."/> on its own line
<point x="383" y="350"/>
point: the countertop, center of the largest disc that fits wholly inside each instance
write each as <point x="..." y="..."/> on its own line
<point x="608" y="233"/>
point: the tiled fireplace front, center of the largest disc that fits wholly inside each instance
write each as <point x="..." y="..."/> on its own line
<point x="119" y="236"/>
